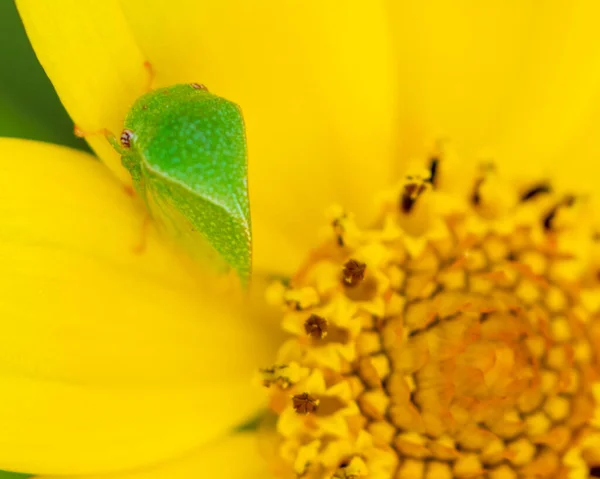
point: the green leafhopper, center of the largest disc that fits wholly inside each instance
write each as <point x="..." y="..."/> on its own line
<point x="186" y="151"/>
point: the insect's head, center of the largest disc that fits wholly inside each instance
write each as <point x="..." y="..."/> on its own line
<point x="153" y="100"/>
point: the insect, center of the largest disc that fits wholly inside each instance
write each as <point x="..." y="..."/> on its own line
<point x="185" y="149"/>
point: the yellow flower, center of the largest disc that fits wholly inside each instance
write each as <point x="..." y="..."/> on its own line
<point x="457" y="350"/>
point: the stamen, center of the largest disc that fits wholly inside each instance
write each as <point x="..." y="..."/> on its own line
<point x="276" y="375"/>
<point x="476" y="195"/>
<point x="535" y="191"/>
<point x="316" y="327"/>
<point x="353" y="273"/>
<point x="339" y="232"/>
<point x="305" y="403"/>
<point x="434" y="163"/>
<point x="412" y="190"/>
<point x="548" y="220"/>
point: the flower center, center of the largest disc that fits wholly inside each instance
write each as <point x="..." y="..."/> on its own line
<point x="456" y="338"/>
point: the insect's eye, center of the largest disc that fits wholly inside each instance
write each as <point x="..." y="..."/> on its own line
<point x="126" y="137"/>
<point x="198" y="86"/>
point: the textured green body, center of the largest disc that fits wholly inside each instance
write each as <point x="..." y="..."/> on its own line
<point x="188" y="161"/>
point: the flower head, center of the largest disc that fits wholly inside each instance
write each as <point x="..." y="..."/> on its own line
<point x="482" y="356"/>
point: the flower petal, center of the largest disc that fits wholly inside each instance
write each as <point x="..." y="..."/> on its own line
<point x="576" y="166"/>
<point x="517" y="78"/>
<point x="235" y="457"/>
<point x="316" y="83"/>
<point x="29" y="107"/>
<point x="93" y="62"/>
<point x="110" y="358"/>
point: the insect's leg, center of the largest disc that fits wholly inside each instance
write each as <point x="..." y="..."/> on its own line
<point x="129" y="190"/>
<point x="112" y="139"/>
<point x="140" y="247"/>
<point x="150" y="72"/>
<point x="114" y="142"/>
<point x="81" y="133"/>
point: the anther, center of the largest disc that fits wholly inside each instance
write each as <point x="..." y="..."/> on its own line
<point x="434" y="164"/>
<point x="476" y="195"/>
<point x="535" y="191"/>
<point x="353" y="273"/>
<point x="411" y="193"/>
<point x="198" y="86"/>
<point x="316" y="327"/>
<point x="548" y="220"/>
<point x="350" y="468"/>
<point x="126" y="137"/>
<point x="275" y="375"/>
<point x="305" y="403"/>
<point x="338" y="229"/>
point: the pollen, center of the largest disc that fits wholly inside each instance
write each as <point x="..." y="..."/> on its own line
<point x="456" y="336"/>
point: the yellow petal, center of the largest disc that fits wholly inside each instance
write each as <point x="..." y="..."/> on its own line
<point x="93" y="61"/>
<point x="315" y="80"/>
<point x="109" y="358"/>
<point x="516" y="78"/>
<point x="235" y="457"/>
<point x="576" y="166"/>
